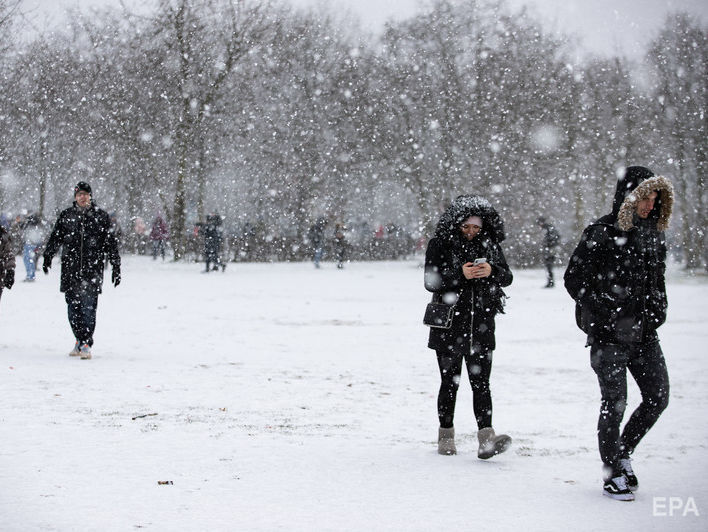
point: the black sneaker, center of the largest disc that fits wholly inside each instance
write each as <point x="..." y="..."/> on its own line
<point x="616" y="488"/>
<point x="625" y="465"/>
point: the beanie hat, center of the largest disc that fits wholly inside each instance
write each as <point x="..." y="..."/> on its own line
<point x="82" y="186"/>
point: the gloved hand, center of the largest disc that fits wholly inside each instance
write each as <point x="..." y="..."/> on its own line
<point x="115" y="275"/>
<point x="9" y="278"/>
<point x="46" y="264"/>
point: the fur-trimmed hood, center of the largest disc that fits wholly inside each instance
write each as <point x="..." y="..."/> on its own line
<point x="636" y="185"/>
<point x="463" y="207"/>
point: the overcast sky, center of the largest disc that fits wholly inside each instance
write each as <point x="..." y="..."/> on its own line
<point x="603" y="26"/>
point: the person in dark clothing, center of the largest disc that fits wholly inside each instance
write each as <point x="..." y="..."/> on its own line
<point x="316" y="236"/>
<point x="469" y="229"/>
<point x="7" y="260"/>
<point x="551" y="239"/>
<point x="213" y="238"/>
<point x="159" y="235"/>
<point x="340" y="244"/>
<point x="616" y="277"/>
<point x="84" y="233"/>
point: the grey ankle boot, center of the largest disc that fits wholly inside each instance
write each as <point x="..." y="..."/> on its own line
<point x="491" y="444"/>
<point x="446" y="441"/>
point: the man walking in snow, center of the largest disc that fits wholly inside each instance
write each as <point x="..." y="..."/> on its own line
<point x="551" y="239"/>
<point x="84" y="233"/>
<point x="616" y="277"/>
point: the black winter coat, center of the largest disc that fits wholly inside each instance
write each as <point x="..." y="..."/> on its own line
<point x="616" y="273"/>
<point x="85" y="238"/>
<point x="478" y="300"/>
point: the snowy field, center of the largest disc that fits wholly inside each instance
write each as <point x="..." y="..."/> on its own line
<point x="280" y="397"/>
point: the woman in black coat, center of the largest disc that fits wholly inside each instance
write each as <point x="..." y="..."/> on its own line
<point x="469" y="229"/>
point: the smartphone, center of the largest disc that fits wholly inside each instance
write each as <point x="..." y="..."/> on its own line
<point x="477" y="262"/>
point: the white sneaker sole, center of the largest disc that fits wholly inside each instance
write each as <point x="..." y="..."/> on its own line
<point x="625" y="497"/>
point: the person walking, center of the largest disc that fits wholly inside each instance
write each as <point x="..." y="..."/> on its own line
<point x="465" y="267"/>
<point x="316" y="236"/>
<point x="616" y="277"/>
<point x="159" y="235"/>
<point x="213" y="239"/>
<point x="83" y="232"/>
<point x="7" y="260"/>
<point x="340" y="244"/>
<point x="32" y="237"/>
<point x="551" y="239"/>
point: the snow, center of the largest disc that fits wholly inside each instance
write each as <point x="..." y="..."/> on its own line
<point x="297" y="399"/>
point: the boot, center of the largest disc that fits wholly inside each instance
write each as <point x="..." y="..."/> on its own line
<point x="491" y="444"/>
<point x="446" y="441"/>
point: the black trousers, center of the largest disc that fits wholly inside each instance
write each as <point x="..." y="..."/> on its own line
<point x="479" y="368"/>
<point x="646" y="364"/>
<point x="82" y="303"/>
<point x="548" y="261"/>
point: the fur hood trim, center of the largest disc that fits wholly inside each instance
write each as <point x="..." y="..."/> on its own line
<point x="665" y="203"/>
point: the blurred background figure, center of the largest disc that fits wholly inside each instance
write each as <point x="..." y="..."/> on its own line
<point x="551" y="240"/>
<point x="340" y="244"/>
<point x="158" y="236"/>
<point x="317" y="239"/>
<point x="213" y="239"/>
<point x="32" y="238"/>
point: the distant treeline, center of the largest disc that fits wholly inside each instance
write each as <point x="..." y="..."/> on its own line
<point x="275" y="116"/>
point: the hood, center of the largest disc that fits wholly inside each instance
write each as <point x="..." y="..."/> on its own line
<point x="462" y="208"/>
<point x="636" y="184"/>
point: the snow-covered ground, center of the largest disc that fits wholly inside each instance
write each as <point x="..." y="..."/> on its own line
<point x="290" y="398"/>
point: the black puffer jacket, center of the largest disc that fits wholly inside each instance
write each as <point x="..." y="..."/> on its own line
<point x="85" y="239"/>
<point x="616" y="273"/>
<point x="446" y="254"/>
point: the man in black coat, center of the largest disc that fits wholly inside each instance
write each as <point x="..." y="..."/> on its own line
<point x="616" y="277"/>
<point x="84" y="233"/>
<point x="551" y="239"/>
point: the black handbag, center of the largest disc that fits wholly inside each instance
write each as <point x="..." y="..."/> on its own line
<point x="438" y="314"/>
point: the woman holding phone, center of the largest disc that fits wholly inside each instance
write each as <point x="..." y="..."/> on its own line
<point x="465" y="267"/>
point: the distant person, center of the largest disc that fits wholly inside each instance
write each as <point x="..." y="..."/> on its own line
<point x="213" y="239"/>
<point x="616" y="277"/>
<point x="16" y="228"/>
<point x="465" y="267"/>
<point x="158" y="236"/>
<point x="32" y="238"/>
<point x="551" y="240"/>
<point x="340" y="244"/>
<point x="316" y="236"/>
<point x="83" y="232"/>
<point x="7" y="260"/>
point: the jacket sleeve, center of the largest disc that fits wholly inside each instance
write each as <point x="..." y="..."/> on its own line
<point x="586" y="257"/>
<point x="441" y="275"/>
<point x="111" y="245"/>
<point x="55" y="239"/>
<point x="501" y="273"/>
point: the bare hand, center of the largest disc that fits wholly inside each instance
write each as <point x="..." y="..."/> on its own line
<point x="470" y="271"/>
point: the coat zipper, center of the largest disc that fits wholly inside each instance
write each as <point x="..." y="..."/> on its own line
<point x="81" y="251"/>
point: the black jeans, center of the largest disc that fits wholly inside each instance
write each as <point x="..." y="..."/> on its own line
<point x="548" y="261"/>
<point x="646" y="364"/>
<point x="479" y="368"/>
<point x="82" y="303"/>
